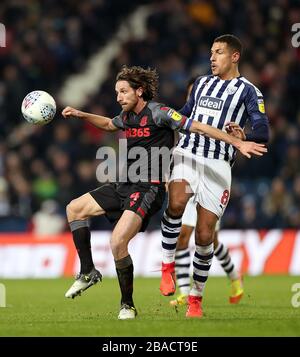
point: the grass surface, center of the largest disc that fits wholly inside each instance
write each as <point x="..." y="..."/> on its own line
<point x="38" y="308"/>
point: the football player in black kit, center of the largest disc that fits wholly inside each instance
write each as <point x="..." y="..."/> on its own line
<point x="129" y="205"/>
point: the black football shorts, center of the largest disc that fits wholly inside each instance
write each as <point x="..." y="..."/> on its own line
<point x="144" y="199"/>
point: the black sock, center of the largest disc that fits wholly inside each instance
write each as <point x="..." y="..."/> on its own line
<point x="124" y="268"/>
<point x="82" y="241"/>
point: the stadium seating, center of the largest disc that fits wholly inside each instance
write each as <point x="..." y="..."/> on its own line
<point x="58" y="161"/>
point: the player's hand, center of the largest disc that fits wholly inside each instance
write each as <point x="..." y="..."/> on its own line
<point x="235" y="130"/>
<point x="70" y="113"/>
<point x="250" y="147"/>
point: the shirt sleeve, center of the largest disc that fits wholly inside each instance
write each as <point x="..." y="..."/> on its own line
<point x="118" y="121"/>
<point x="255" y="107"/>
<point x="166" y="116"/>
<point x="189" y="105"/>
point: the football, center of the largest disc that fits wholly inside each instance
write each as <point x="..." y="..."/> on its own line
<point x="38" y="107"/>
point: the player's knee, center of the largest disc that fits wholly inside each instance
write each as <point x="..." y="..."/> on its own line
<point x="176" y="207"/>
<point x="204" y="235"/>
<point x="118" y="247"/>
<point x="69" y="210"/>
<point x="73" y="211"/>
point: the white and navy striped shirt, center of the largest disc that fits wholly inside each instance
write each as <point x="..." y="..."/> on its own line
<point x="216" y="102"/>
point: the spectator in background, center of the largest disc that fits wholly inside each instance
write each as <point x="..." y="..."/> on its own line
<point x="4" y="200"/>
<point x="291" y="166"/>
<point x="48" y="220"/>
<point x="294" y="211"/>
<point x="249" y="219"/>
<point x="276" y="204"/>
<point x="44" y="49"/>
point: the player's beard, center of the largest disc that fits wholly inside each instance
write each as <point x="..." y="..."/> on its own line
<point x="131" y="106"/>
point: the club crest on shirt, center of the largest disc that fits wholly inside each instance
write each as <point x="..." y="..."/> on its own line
<point x="144" y="120"/>
<point x="231" y="90"/>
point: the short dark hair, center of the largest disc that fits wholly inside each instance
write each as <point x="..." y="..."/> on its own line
<point x="232" y="41"/>
<point x="140" y="77"/>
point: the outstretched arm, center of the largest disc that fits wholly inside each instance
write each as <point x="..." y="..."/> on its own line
<point x="166" y="116"/>
<point x="245" y="147"/>
<point x="235" y="130"/>
<point x="99" y="121"/>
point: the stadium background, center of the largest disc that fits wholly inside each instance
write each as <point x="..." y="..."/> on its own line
<point x="73" y="49"/>
<point x="43" y="168"/>
<point x="46" y="44"/>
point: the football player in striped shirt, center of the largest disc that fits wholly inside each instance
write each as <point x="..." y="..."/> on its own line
<point x="221" y="252"/>
<point x="201" y="166"/>
<point x="132" y="201"/>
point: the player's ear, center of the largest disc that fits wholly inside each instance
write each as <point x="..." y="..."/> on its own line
<point x="235" y="57"/>
<point x="139" y="91"/>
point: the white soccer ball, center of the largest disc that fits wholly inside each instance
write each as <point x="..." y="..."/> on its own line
<point x="38" y="107"/>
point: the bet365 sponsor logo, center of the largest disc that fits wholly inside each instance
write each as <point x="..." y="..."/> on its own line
<point x="2" y="35"/>
<point x="295" y="301"/>
<point x="296" y="37"/>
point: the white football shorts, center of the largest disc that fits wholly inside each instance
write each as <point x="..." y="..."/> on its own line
<point x="210" y="179"/>
<point x="189" y="217"/>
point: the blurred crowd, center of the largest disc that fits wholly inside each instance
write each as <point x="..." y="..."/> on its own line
<point x="43" y="168"/>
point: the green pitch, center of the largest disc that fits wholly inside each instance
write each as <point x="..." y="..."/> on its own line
<point x="39" y="308"/>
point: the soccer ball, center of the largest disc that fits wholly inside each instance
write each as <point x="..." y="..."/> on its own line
<point x="38" y="107"/>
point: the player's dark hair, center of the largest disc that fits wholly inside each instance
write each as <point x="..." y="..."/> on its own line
<point x="140" y="77"/>
<point x="232" y="41"/>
